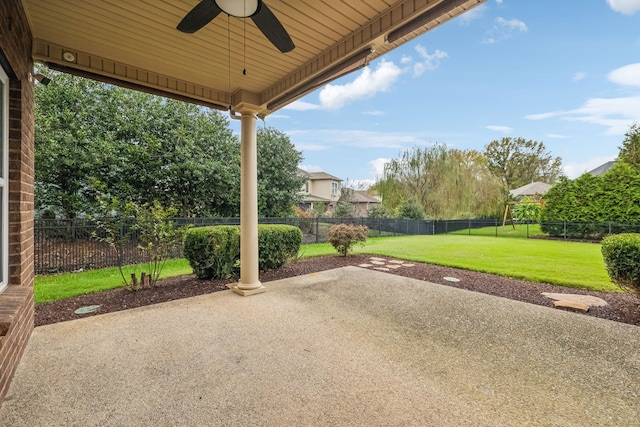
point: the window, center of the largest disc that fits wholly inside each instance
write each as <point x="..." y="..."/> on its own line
<point x="334" y="188"/>
<point x="4" y="184"/>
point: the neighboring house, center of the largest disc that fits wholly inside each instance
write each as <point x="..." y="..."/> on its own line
<point x="602" y="168"/>
<point x="361" y="201"/>
<point x="320" y="188"/>
<point x="535" y="190"/>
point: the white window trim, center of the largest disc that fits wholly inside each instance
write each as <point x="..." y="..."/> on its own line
<point x="4" y="181"/>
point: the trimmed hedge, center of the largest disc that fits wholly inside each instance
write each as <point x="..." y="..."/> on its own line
<point x="621" y="255"/>
<point x="277" y="244"/>
<point x="213" y="252"/>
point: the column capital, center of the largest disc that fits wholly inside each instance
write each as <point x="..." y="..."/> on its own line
<point x="246" y="102"/>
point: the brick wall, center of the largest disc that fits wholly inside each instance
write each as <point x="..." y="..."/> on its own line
<point x="16" y="302"/>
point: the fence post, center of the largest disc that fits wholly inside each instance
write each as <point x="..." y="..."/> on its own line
<point x="527" y="229"/>
<point x="496" y="220"/>
<point x="469" y="226"/>
<point x="564" y="232"/>
<point x="317" y="229"/>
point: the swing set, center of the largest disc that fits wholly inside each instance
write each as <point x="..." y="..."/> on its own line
<point x="509" y="214"/>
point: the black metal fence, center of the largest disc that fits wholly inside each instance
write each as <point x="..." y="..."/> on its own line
<point x="72" y="245"/>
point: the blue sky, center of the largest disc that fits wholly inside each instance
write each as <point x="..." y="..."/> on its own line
<point x="563" y="72"/>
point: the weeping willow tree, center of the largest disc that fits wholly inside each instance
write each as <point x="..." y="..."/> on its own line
<point x="446" y="184"/>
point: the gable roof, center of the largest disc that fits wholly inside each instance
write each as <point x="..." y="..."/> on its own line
<point x="602" y="168"/>
<point x="359" y="197"/>
<point x="531" y="189"/>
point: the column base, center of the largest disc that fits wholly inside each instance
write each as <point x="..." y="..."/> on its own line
<point x="247" y="292"/>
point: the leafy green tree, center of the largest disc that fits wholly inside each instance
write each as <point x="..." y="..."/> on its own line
<point x="344" y="210"/>
<point x="378" y="211"/>
<point x="630" y="149"/>
<point x="278" y="180"/>
<point x="444" y="183"/>
<point x="409" y="209"/>
<point x="517" y="161"/>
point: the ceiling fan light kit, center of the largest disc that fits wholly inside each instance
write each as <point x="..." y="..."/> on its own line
<point x="207" y="10"/>
<point x="239" y="9"/>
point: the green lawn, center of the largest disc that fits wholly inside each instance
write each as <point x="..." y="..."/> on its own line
<point x="517" y="230"/>
<point x="67" y="285"/>
<point x="570" y="264"/>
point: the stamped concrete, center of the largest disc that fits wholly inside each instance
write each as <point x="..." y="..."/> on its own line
<point x="345" y="347"/>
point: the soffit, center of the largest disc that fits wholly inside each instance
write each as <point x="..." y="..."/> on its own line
<point x="135" y="43"/>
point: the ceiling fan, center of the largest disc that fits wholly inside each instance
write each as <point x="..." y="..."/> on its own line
<point x="205" y="11"/>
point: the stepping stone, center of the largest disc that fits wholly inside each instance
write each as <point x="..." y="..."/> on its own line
<point x="365" y="265"/>
<point x="394" y="266"/>
<point x="571" y="305"/>
<point x="377" y="259"/>
<point x="396" y="261"/>
<point x="378" y="262"/>
<point x="451" y="279"/>
<point x="381" y="268"/>
<point x="407" y="265"/>
<point x="588" y="300"/>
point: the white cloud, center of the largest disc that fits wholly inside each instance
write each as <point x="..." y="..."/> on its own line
<point x="278" y="116"/>
<point x="429" y="62"/>
<point x="629" y="75"/>
<point x="374" y="113"/>
<point x="502" y="129"/>
<point x="321" y="139"/>
<point x="473" y="14"/>
<point x="367" y="84"/>
<point x="626" y="7"/>
<point x="579" y="76"/>
<point x="301" y="106"/>
<point x="574" y="170"/>
<point x="504" y="29"/>
<point x="617" y="114"/>
<point x="378" y="166"/>
<point x="311" y="168"/>
<point x="556" y="136"/>
<point x="499" y="1"/>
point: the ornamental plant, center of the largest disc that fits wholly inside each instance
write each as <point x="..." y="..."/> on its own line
<point x="343" y="237"/>
<point x="621" y="253"/>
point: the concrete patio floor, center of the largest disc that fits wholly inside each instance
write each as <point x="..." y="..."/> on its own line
<point x="344" y="347"/>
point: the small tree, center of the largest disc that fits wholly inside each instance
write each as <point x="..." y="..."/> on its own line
<point x="158" y="236"/>
<point x="343" y="237"/>
<point x="378" y="211"/>
<point x="409" y="209"/>
<point x="344" y="210"/>
<point x="113" y="223"/>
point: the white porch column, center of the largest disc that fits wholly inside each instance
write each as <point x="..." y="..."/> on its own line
<point x="249" y="281"/>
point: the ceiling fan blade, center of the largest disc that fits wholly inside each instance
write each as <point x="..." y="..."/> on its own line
<point x="273" y="30"/>
<point x="199" y="16"/>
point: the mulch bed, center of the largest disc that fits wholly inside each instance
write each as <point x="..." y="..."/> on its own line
<point x="622" y="307"/>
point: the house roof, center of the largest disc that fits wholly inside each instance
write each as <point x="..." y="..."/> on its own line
<point x="531" y="189"/>
<point x="228" y="64"/>
<point x="359" y="197"/>
<point x="322" y="175"/>
<point x="313" y="198"/>
<point x="602" y="168"/>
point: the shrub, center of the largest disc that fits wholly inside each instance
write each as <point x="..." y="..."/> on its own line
<point x="277" y="244"/>
<point x="342" y="236"/>
<point x="212" y="251"/>
<point x="621" y="254"/>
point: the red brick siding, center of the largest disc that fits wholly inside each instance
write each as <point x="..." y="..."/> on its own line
<point x="16" y="302"/>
